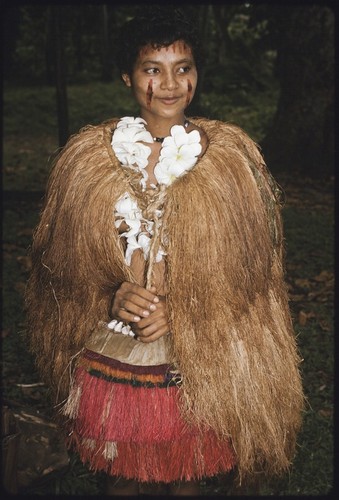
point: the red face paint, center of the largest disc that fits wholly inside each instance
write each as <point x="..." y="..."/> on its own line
<point x="179" y="45"/>
<point x="189" y="92"/>
<point x="149" y="93"/>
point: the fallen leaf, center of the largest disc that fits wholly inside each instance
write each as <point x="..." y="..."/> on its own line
<point x="9" y="247"/>
<point x="326" y="412"/>
<point x="324" y="276"/>
<point x="303" y="283"/>
<point x="25" y="232"/>
<point x="20" y="287"/>
<point x="5" y="333"/>
<point x="325" y="326"/>
<point x="25" y="262"/>
<point x="41" y="446"/>
<point x="296" y="298"/>
<point x="302" y="318"/>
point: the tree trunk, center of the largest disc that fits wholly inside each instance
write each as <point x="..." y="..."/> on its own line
<point x="223" y="15"/>
<point x="77" y="35"/>
<point x="60" y="77"/>
<point x="10" y="436"/>
<point x="106" y="73"/>
<point x="302" y="135"/>
<point x="195" y="108"/>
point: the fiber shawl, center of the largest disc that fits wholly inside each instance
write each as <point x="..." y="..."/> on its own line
<point x="232" y="335"/>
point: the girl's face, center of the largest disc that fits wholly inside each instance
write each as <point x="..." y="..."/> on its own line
<point x="163" y="80"/>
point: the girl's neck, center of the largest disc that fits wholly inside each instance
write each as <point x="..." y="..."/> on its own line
<point x="160" y="127"/>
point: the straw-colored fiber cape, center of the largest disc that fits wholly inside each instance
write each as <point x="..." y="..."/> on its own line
<point x="231" y="330"/>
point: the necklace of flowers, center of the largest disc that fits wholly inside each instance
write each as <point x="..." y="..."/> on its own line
<point x="178" y="155"/>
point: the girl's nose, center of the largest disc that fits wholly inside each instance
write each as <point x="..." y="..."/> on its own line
<point x="169" y="82"/>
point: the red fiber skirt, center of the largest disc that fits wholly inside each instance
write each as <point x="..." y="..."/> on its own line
<point x="125" y="420"/>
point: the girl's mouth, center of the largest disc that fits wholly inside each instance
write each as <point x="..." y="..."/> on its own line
<point x="169" y="99"/>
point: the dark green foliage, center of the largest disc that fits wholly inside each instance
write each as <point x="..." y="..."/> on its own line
<point x="285" y="51"/>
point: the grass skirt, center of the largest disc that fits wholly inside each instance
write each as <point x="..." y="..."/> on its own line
<point x="125" y="420"/>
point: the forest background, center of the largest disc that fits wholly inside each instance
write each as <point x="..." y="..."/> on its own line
<point x="270" y="69"/>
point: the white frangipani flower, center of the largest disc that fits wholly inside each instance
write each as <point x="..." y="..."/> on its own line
<point x="178" y="155"/>
<point x="127" y="209"/>
<point x="161" y="253"/>
<point x="126" y="143"/>
<point x="129" y="154"/>
<point x="131" y="134"/>
<point x="145" y="243"/>
<point x="132" y="245"/>
<point x="130" y="129"/>
<point x="128" y="121"/>
<point x="126" y="205"/>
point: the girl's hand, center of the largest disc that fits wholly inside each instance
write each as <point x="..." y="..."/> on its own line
<point x="132" y="303"/>
<point x="154" y="326"/>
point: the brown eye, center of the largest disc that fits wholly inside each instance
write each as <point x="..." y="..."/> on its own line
<point x="152" y="71"/>
<point x="184" y="69"/>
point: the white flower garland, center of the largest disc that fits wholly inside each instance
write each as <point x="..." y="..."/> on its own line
<point x="128" y="148"/>
<point x="178" y="155"/>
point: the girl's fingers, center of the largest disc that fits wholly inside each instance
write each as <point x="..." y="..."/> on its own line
<point x="154" y="336"/>
<point x="135" y="300"/>
<point x="126" y="316"/>
<point x="143" y="310"/>
<point x="150" y="329"/>
<point x="131" y="289"/>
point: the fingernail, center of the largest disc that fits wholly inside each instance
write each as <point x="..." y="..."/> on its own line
<point x="136" y="318"/>
<point x="156" y="299"/>
<point x="145" y="313"/>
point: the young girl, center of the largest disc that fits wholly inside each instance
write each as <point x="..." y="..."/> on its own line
<point x="157" y="307"/>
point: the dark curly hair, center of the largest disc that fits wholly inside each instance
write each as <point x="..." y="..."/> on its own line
<point x="158" y="26"/>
